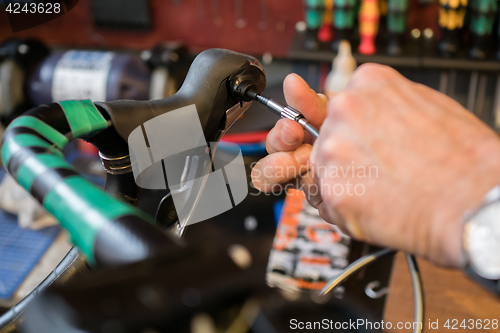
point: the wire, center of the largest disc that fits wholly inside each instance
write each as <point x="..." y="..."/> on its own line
<point x="245" y="137"/>
<point x="372" y="257"/>
<point x="73" y="264"/>
<point x="354" y="267"/>
<point x="418" y="294"/>
<point x="246" y="148"/>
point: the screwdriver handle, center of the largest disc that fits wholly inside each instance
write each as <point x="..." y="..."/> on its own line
<point x="314" y="10"/>
<point x="482" y="19"/>
<point x="451" y="21"/>
<point x="396" y="25"/>
<point x="343" y="22"/>
<point x="368" y="26"/>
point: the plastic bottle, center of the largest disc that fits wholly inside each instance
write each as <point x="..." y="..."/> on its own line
<point x="343" y="66"/>
<point x="94" y="75"/>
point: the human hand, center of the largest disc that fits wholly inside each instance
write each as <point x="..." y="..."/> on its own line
<point x="426" y="161"/>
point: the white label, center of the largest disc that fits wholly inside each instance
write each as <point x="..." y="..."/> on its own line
<point x="81" y="75"/>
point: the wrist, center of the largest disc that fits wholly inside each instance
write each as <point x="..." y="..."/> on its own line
<point x="462" y="200"/>
<point x="481" y="238"/>
<point x="445" y="241"/>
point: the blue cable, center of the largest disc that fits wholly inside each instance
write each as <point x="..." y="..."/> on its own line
<point x="246" y="148"/>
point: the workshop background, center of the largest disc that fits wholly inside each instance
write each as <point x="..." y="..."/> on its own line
<point x="451" y="46"/>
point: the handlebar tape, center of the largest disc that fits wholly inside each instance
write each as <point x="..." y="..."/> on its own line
<point x="106" y="230"/>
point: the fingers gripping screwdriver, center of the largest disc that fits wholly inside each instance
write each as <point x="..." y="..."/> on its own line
<point x="246" y="91"/>
<point x="286" y="111"/>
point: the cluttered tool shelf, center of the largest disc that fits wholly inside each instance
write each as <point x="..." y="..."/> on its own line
<point x="414" y="57"/>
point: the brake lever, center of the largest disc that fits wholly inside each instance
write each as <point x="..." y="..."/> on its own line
<point x="208" y="85"/>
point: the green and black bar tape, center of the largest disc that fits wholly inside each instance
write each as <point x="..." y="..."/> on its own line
<point x="106" y="230"/>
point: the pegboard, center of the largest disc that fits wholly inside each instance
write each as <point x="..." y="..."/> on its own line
<point x="268" y="26"/>
<point x="253" y="27"/>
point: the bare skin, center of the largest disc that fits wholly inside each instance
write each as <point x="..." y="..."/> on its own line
<point x="432" y="161"/>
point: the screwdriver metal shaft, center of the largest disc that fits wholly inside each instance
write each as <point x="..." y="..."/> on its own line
<point x="286" y="111"/>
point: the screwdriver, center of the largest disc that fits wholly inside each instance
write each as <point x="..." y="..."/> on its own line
<point x="284" y="111"/>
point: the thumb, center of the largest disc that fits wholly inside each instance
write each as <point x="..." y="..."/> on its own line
<point x="300" y="96"/>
